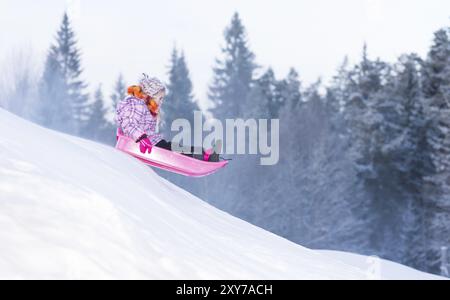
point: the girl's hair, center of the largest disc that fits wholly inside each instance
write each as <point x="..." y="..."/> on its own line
<point x="136" y="91"/>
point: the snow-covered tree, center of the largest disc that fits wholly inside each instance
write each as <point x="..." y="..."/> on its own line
<point x="406" y="157"/>
<point x="436" y="191"/>
<point x="397" y="159"/>
<point x="364" y="87"/>
<point x="338" y="92"/>
<point x="321" y="180"/>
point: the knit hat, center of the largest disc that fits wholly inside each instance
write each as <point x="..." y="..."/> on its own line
<point x="151" y="85"/>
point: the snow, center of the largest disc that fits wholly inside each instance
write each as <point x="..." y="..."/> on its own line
<point x="75" y="209"/>
<point x="380" y="268"/>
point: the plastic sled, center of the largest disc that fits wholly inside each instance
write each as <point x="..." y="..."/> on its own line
<point x="168" y="160"/>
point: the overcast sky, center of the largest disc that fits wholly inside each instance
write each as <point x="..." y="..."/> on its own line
<point x="137" y="36"/>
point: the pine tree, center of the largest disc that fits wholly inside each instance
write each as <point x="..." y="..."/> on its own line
<point x="232" y="80"/>
<point x="263" y="96"/>
<point x="321" y="178"/>
<point x="180" y="102"/>
<point x="268" y="95"/>
<point x="266" y="99"/>
<point x="408" y="157"/>
<point x="293" y="93"/>
<point x="260" y="104"/>
<point x="338" y="92"/>
<point x="396" y="154"/>
<point x="233" y="74"/>
<point x="119" y="91"/>
<point x="66" y="54"/>
<point x="54" y="109"/>
<point x="435" y="72"/>
<point x="96" y="127"/>
<point x="436" y="87"/>
<point x="362" y="117"/>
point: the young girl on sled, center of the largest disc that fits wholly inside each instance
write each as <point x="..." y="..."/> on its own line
<point x="138" y="116"/>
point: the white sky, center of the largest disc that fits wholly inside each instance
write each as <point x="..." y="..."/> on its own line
<point x="137" y="36"/>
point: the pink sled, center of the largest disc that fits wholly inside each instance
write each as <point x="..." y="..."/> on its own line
<point x="168" y="160"/>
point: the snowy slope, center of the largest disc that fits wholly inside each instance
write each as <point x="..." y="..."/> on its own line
<point x="379" y="268"/>
<point x="71" y="208"/>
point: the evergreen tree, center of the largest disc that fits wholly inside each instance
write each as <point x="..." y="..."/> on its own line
<point x="261" y="102"/>
<point x="54" y="108"/>
<point x="407" y="156"/>
<point x="395" y="153"/>
<point x="232" y="80"/>
<point x="268" y="95"/>
<point x="436" y="87"/>
<point x="293" y="93"/>
<point x="180" y="102"/>
<point x="64" y="62"/>
<point x="119" y="91"/>
<point x="321" y="178"/>
<point x="233" y="74"/>
<point x="338" y="92"/>
<point x="96" y="124"/>
<point x="435" y="71"/>
<point x="362" y="117"/>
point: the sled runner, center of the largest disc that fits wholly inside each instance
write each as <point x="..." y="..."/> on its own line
<point x="168" y="160"/>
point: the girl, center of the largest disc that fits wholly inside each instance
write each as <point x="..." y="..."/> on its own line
<point x="138" y="115"/>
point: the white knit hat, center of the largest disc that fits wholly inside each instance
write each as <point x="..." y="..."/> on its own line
<point x="151" y="85"/>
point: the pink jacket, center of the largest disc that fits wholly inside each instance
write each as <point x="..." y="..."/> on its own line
<point x="134" y="118"/>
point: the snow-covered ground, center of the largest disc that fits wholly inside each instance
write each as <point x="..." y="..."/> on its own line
<point x="378" y="268"/>
<point x="71" y="209"/>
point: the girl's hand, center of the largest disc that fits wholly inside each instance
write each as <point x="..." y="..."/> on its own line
<point x="145" y="144"/>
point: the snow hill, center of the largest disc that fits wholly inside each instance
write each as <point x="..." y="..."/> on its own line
<point x="74" y="209"/>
